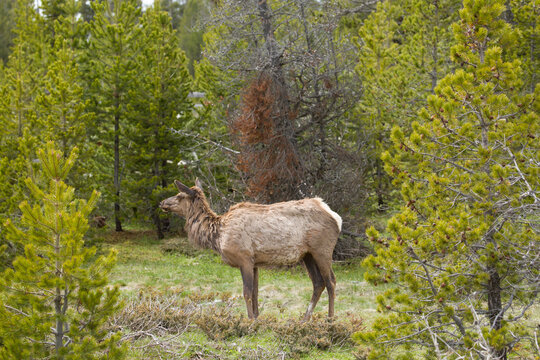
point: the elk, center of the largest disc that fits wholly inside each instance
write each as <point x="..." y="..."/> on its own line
<point x="252" y="235"/>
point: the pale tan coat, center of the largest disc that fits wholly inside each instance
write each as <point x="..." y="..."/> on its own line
<point x="251" y="235"/>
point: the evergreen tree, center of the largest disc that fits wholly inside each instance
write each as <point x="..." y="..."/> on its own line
<point x="159" y="103"/>
<point x="21" y="80"/>
<point x="87" y="13"/>
<point x="7" y="24"/>
<point x="60" y="106"/>
<point x="190" y="29"/>
<point x="63" y="113"/>
<point x="526" y="15"/>
<point x="41" y="98"/>
<point x="113" y="69"/>
<point x="15" y="166"/>
<point x="63" y="105"/>
<point x="70" y="27"/>
<point x="25" y="69"/>
<point x="426" y="40"/>
<point x="384" y="100"/>
<point x="208" y="131"/>
<point x="402" y="47"/>
<point x="20" y="84"/>
<point x="175" y="9"/>
<point x="462" y="250"/>
<point x="54" y="301"/>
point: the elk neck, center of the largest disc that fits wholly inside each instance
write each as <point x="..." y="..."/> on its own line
<point x="203" y="225"/>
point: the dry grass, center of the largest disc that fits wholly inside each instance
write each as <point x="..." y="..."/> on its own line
<point x="158" y="323"/>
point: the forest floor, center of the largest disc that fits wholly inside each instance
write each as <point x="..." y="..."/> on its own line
<point x="185" y="303"/>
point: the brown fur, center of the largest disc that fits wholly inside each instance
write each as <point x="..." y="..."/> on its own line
<point x="202" y="224"/>
<point x="252" y="235"/>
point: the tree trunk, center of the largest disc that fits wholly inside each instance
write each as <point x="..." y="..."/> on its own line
<point x="283" y="124"/>
<point x="157" y="174"/>
<point x="165" y="223"/>
<point x="159" y="227"/>
<point x="495" y="310"/>
<point x="59" y="333"/>
<point x="317" y="112"/>
<point x="276" y="72"/>
<point x="117" y="220"/>
<point x="379" y="189"/>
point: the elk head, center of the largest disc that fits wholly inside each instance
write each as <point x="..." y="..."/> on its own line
<point x="179" y="203"/>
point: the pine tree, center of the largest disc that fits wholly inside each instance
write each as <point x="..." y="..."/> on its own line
<point x="41" y="98"/>
<point x="6" y="28"/>
<point x="21" y="80"/>
<point x="211" y="102"/>
<point x="383" y="103"/>
<point x="159" y="104"/>
<point x="427" y="38"/>
<point x="62" y="104"/>
<point x="402" y="47"/>
<point x="25" y="69"/>
<point x="462" y="248"/>
<point x="526" y="15"/>
<point x="112" y="72"/>
<point x="55" y="299"/>
<point x="69" y="25"/>
<point x="61" y="109"/>
<point x="63" y="112"/>
<point x="190" y="32"/>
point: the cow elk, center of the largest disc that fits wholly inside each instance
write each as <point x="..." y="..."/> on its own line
<point x="251" y="235"/>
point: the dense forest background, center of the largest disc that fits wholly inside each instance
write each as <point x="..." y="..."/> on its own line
<point x="265" y="102"/>
<point x="424" y="110"/>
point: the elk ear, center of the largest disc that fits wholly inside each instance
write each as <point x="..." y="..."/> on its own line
<point x="183" y="188"/>
<point x="198" y="183"/>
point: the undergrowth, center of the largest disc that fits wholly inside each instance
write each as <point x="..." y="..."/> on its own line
<point x="159" y="320"/>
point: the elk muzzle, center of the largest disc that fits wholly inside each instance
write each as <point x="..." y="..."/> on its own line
<point x="163" y="206"/>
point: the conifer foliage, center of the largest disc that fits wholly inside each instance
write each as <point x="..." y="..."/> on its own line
<point x="114" y="38"/>
<point x="160" y="103"/>
<point x="54" y="300"/>
<point x="464" y="247"/>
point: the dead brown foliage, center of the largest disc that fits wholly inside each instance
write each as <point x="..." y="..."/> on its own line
<point x="268" y="160"/>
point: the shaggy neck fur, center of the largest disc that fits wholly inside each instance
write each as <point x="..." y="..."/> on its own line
<point x="202" y="224"/>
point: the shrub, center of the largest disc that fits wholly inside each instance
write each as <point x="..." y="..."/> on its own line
<point x="157" y="314"/>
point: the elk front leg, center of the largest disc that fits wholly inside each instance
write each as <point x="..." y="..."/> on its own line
<point x="255" y="292"/>
<point x="247" y="279"/>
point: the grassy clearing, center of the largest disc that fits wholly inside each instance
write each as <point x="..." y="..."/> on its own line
<point x="144" y="269"/>
<point x="188" y="304"/>
<point x="142" y="265"/>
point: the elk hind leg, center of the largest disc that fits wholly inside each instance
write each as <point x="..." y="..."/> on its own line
<point x="318" y="284"/>
<point x="325" y="266"/>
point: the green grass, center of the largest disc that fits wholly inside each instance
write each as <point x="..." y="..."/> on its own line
<point x="142" y="265"/>
<point x="284" y="293"/>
